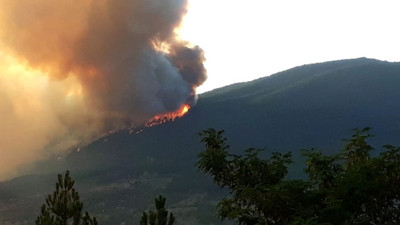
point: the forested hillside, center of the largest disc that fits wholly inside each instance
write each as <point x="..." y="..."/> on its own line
<point x="308" y="106"/>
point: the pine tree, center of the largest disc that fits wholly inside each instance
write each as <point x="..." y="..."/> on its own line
<point x="160" y="217"/>
<point x="64" y="206"/>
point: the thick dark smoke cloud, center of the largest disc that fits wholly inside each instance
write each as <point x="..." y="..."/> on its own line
<point x="101" y="63"/>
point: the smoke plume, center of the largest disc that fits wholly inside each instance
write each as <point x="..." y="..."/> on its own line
<point x="72" y="69"/>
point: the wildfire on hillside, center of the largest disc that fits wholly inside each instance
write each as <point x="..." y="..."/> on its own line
<point x="94" y="72"/>
<point x="167" y="117"/>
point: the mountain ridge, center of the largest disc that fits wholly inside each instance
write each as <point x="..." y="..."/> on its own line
<point x="334" y="64"/>
<point x="308" y="106"/>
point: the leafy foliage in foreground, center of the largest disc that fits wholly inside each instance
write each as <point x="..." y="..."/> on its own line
<point x="350" y="187"/>
<point x="64" y="205"/>
<point x="160" y="216"/>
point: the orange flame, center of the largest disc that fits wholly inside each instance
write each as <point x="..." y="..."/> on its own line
<point x="163" y="118"/>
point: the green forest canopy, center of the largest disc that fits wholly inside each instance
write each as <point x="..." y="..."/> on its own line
<point x="350" y="187"/>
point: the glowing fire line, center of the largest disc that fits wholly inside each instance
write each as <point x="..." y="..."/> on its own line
<point x="163" y="118"/>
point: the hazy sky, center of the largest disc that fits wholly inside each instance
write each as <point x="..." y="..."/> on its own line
<point x="70" y="73"/>
<point x="247" y="39"/>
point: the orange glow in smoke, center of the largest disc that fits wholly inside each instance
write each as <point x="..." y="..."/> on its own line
<point x="163" y="47"/>
<point x="163" y="118"/>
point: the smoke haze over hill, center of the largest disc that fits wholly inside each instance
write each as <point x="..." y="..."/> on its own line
<point x="72" y="70"/>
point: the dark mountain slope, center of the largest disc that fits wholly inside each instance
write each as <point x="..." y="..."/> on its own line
<point x="321" y="105"/>
<point x="308" y="106"/>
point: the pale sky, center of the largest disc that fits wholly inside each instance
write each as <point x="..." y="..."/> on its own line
<point x="247" y="39"/>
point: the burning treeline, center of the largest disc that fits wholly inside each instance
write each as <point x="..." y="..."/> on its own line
<point x="72" y="69"/>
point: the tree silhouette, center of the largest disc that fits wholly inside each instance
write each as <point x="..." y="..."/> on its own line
<point x="64" y="205"/>
<point x="160" y="216"/>
<point x="350" y="187"/>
